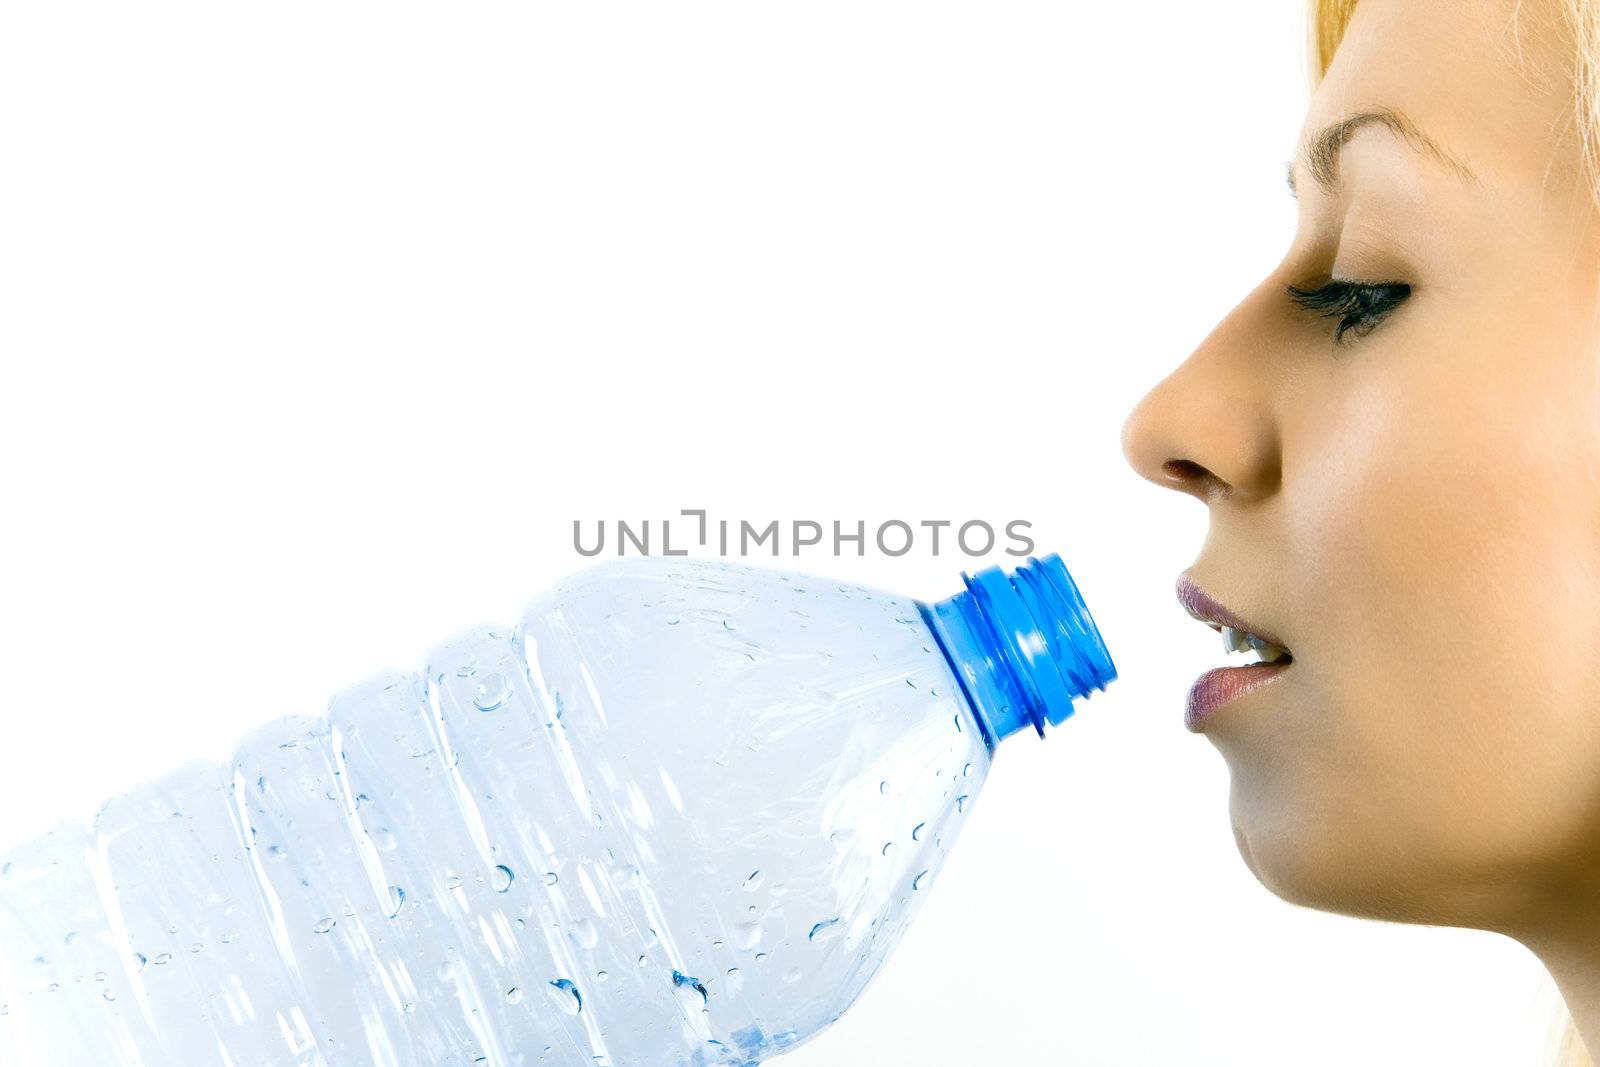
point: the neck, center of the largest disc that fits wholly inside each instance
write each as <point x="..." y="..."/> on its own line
<point x="1565" y="936"/>
<point x="1576" y="971"/>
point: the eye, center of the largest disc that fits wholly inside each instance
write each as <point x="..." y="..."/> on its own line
<point x="1359" y="306"/>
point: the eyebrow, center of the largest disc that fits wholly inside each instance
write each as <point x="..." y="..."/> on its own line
<point x="1321" y="151"/>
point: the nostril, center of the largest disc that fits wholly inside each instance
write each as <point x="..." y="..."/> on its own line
<point x="1184" y="470"/>
<point x="1186" y="476"/>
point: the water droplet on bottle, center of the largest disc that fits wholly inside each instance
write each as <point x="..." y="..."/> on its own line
<point x="961" y="802"/>
<point x="466" y="670"/>
<point x="602" y="975"/>
<point x="565" y="994"/>
<point x="916" y="883"/>
<point x="397" y="900"/>
<point x="109" y="995"/>
<point x="887" y="845"/>
<point x="452" y="882"/>
<point x="550" y="878"/>
<point x="163" y="959"/>
<point x="966" y="770"/>
<point x="142" y="958"/>
<point x="825" y="930"/>
<point x="760" y="956"/>
<point x="583" y="931"/>
<point x="99" y="976"/>
<point x="501" y="879"/>
<point x="490" y="692"/>
<point x="747" y="936"/>
<point x="229" y="938"/>
<point x="916" y="831"/>
<point x="883" y="787"/>
<point x="644" y="961"/>
<point x="324" y="925"/>
<point x="673" y="619"/>
<point x="513" y="995"/>
<point x="688" y="984"/>
<point x="752" y="883"/>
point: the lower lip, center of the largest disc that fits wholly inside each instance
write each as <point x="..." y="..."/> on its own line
<point x="1216" y="688"/>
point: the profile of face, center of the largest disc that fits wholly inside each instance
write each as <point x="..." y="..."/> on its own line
<point x="1402" y="472"/>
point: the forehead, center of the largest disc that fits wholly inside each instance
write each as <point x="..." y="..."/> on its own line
<point x="1491" y="80"/>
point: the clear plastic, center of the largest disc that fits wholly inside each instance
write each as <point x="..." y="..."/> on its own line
<point x="678" y="815"/>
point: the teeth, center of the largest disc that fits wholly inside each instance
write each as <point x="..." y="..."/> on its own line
<point x="1239" y="640"/>
<point x="1271" y="653"/>
<point x="1234" y="640"/>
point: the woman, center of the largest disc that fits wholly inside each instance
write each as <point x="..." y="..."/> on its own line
<point x="1397" y="435"/>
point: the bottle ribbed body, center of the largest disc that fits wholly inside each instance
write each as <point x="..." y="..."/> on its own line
<point x="676" y="814"/>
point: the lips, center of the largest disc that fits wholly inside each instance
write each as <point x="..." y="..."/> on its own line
<point x="1208" y="610"/>
<point x="1221" y="686"/>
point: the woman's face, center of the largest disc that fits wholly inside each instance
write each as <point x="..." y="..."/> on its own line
<point x="1415" y="510"/>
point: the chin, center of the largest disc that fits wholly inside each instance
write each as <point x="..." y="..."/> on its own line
<point x="1332" y="870"/>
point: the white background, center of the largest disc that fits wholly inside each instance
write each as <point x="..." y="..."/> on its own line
<point x="322" y="323"/>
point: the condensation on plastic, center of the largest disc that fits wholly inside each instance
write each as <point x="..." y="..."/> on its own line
<point x="677" y="816"/>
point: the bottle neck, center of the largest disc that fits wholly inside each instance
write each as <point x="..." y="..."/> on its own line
<point x="1023" y="646"/>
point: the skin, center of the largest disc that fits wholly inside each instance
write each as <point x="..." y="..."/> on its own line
<point x="1416" y="511"/>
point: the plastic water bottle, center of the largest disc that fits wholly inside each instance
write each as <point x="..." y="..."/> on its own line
<point x="678" y="815"/>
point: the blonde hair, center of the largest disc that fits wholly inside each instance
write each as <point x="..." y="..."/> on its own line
<point x="1584" y="19"/>
<point x="1328" y="21"/>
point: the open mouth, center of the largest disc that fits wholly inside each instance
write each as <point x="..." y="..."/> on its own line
<point x="1220" y="686"/>
<point x="1243" y="641"/>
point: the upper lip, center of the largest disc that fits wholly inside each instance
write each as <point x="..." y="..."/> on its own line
<point x="1203" y="606"/>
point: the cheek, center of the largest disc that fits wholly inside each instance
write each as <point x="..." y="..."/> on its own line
<point x="1443" y="570"/>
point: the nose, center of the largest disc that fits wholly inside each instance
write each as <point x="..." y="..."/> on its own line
<point x="1208" y="429"/>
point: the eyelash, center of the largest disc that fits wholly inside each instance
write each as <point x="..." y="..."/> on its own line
<point x="1360" y="306"/>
